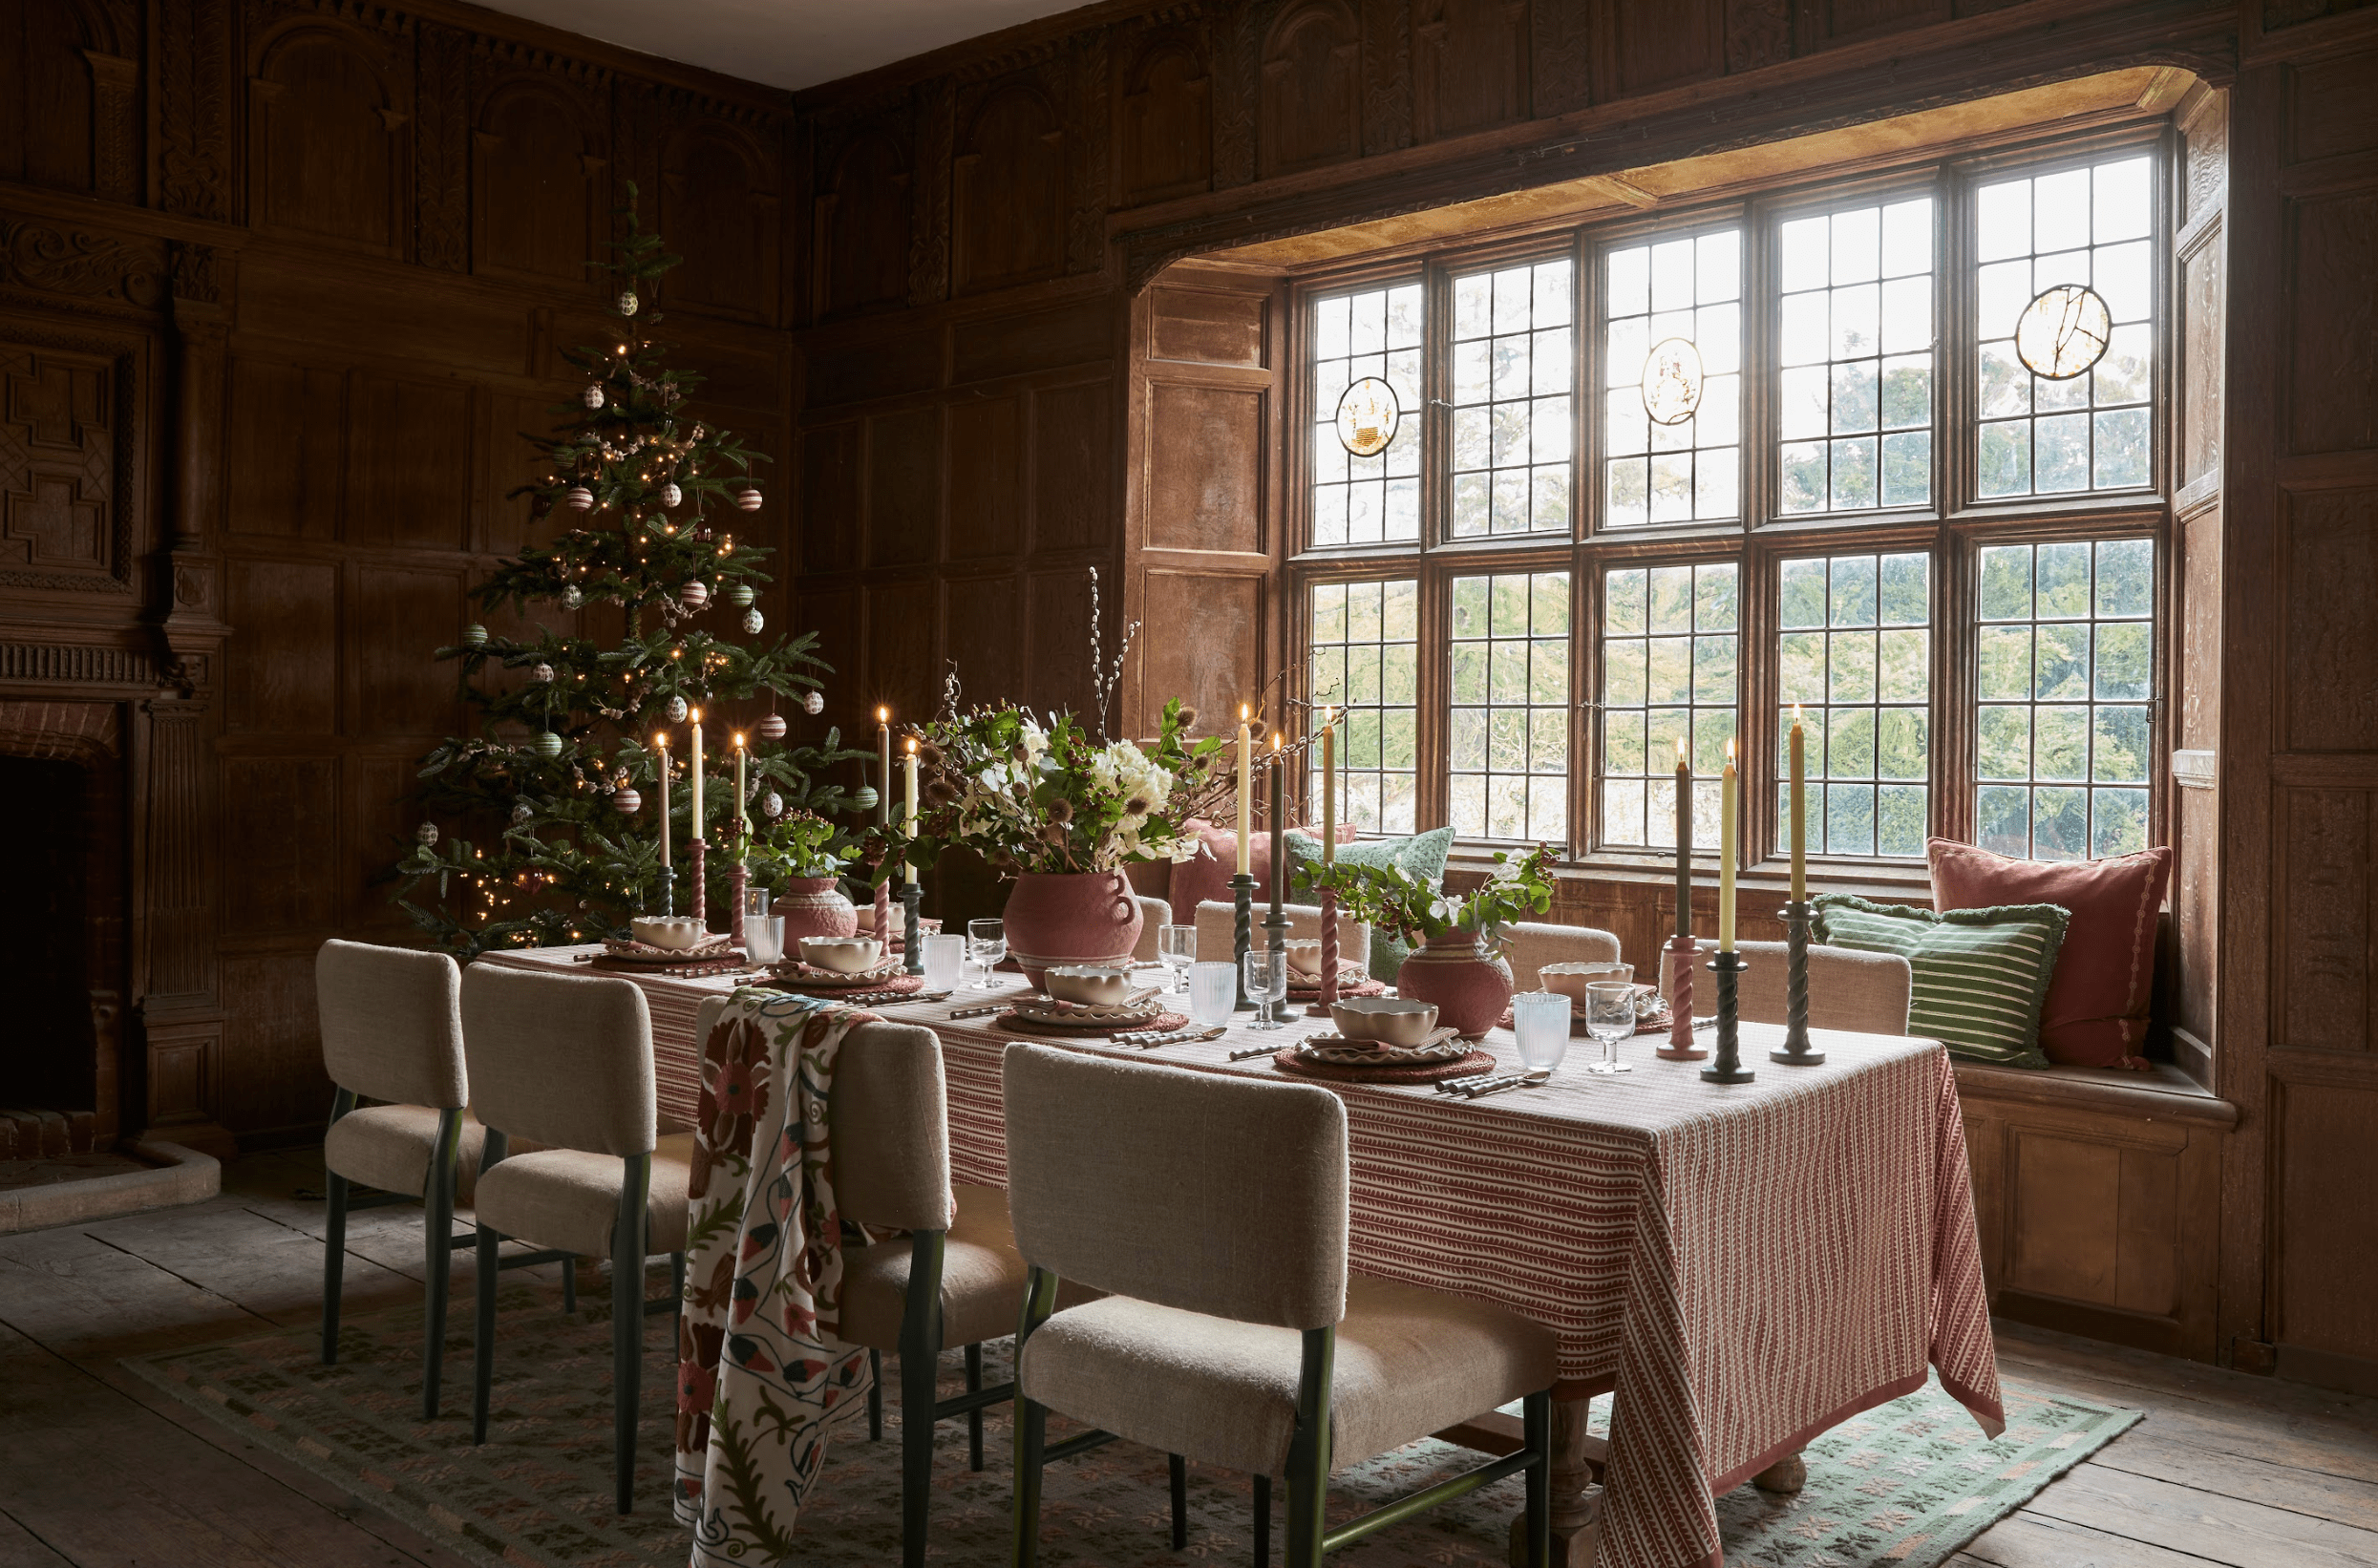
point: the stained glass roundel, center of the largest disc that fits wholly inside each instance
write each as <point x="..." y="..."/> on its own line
<point x="1671" y="381"/>
<point x="1368" y="416"/>
<point x="2063" y="332"/>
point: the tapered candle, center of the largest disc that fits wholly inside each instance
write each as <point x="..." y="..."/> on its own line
<point x="694" y="766"/>
<point x="1271" y="803"/>
<point x="1726" y="855"/>
<point x="660" y="743"/>
<point x="1246" y="793"/>
<point x="1683" y="840"/>
<point x="883" y="776"/>
<point x="742" y="815"/>
<point x="1799" y="814"/>
<point x="1329" y="786"/>
<point x="908" y="818"/>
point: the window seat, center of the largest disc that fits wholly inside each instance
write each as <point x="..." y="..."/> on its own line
<point x="2162" y="1093"/>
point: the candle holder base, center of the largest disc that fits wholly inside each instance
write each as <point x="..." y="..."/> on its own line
<point x="1241" y="934"/>
<point x="1728" y="965"/>
<point x="911" y="897"/>
<point x="1797" y="917"/>
<point x="1681" y="1047"/>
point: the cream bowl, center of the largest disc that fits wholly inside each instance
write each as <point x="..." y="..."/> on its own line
<point x="843" y="955"/>
<point x="1092" y="985"/>
<point x="1570" y="980"/>
<point x="1304" y="958"/>
<point x="1391" y="1021"/>
<point x="674" y="932"/>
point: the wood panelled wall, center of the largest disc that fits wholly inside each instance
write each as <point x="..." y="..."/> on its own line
<point x="280" y="283"/>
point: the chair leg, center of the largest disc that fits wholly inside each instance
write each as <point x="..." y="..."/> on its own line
<point x="918" y="1365"/>
<point x="1262" y="1521"/>
<point x="974" y="1418"/>
<point x="635" y="1195"/>
<point x="333" y="1261"/>
<point x="1031" y="1430"/>
<point x="437" y="1224"/>
<point x="1535" y="1418"/>
<point x="875" y="1396"/>
<point x="1309" y="1452"/>
<point x="569" y="1284"/>
<point x="677" y="1284"/>
<point x="1180" y="1501"/>
<point x="483" y="1329"/>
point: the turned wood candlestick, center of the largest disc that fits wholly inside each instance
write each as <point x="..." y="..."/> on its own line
<point x="911" y="897"/>
<point x="1241" y="932"/>
<point x="1727" y="1069"/>
<point x="1796" y="1051"/>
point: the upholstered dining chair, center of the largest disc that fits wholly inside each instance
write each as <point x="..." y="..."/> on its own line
<point x="392" y="1031"/>
<point x="1217" y="936"/>
<point x="1213" y="1210"/>
<point x="954" y="1280"/>
<point x="567" y="1061"/>
<point x="1153" y="912"/>
<point x="1528" y="945"/>
<point x="1860" y="992"/>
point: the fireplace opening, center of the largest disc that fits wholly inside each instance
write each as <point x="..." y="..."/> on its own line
<point x="49" y="945"/>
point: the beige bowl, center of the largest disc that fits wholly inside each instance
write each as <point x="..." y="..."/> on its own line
<point x="1570" y="980"/>
<point x="1304" y="958"/>
<point x="675" y="933"/>
<point x="1092" y="985"/>
<point x="843" y="955"/>
<point x="1388" y="1020"/>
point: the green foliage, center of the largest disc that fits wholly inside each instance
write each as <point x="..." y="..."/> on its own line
<point x="1417" y="907"/>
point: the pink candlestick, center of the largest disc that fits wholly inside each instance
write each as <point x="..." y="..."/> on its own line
<point x="884" y="912"/>
<point x="1684" y="953"/>
<point x="738" y="883"/>
<point x="701" y="884"/>
<point x="1328" y="947"/>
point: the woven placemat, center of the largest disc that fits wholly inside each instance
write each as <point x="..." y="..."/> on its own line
<point x="801" y="975"/>
<point x="1160" y="1023"/>
<point x="891" y="984"/>
<point x="725" y="963"/>
<point x="1363" y="986"/>
<point x="1286" y="1060"/>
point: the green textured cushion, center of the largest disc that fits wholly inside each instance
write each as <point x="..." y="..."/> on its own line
<point x="1422" y="855"/>
<point x="1979" y="974"/>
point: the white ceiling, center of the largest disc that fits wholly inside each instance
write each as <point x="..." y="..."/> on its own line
<point x="783" y="43"/>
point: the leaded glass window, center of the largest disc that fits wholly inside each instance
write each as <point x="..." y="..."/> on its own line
<point x="1855" y="344"/>
<point x="1515" y="351"/>
<point x="1688" y="289"/>
<point x="1856" y="659"/>
<point x="1375" y="499"/>
<point x="1669" y="648"/>
<point x="1510" y="714"/>
<point x="2092" y="431"/>
<point x="2063" y="745"/>
<point x="1365" y="652"/>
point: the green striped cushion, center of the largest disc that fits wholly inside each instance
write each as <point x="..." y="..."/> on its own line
<point x="1979" y="974"/>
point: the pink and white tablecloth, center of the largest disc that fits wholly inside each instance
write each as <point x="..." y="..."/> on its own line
<point x="1746" y="1265"/>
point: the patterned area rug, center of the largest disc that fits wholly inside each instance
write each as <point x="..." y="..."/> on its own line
<point x="1903" y="1485"/>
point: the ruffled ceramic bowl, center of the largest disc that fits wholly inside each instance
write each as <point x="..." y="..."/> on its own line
<point x="843" y="955"/>
<point x="674" y="933"/>
<point x="1303" y="959"/>
<point x="1570" y="980"/>
<point x="1092" y="985"/>
<point x="1391" y="1021"/>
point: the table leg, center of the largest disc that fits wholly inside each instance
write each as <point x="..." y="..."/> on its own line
<point x="1575" y="1500"/>
<point x="1786" y="1475"/>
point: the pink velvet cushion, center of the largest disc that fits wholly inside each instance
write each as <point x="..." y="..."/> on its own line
<point x="2095" y="1012"/>
<point x="1206" y="878"/>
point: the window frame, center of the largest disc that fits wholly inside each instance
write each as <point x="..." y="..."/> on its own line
<point x="1951" y="530"/>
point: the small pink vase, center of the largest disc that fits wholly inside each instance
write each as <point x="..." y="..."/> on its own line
<point x="1070" y="917"/>
<point x="813" y="906"/>
<point x="1470" y="986"/>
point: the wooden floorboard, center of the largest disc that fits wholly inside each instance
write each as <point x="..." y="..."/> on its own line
<point x="2226" y="1468"/>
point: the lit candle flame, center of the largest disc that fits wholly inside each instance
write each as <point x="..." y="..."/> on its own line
<point x="1243" y="712"/>
<point x="883" y="714"/>
<point x="738" y="740"/>
<point x="1275" y="740"/>
<point x="1730" y="750"/>
<point x="1796" y="715"/>
<point x="1680" y="751"/>
<point x="912" y="746"/>
<point x="661" y="740"/>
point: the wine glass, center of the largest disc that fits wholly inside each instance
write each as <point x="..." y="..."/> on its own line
<point x="987" y="944"/>
<point x="1610" y="1018"/>
<point x="1177" y="946"/>
<point x="1268" y="984"/>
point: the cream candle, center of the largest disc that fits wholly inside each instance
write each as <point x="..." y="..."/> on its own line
<point x="1329" y="786"/>
<point x="742" y="812"/>
<point x="694" y="765"/>
<point x="1246" y="794"/>
<point x="660" y="744"/>
<point x="1683" y="840"/>
<point x="1800" y="812"/>
<point x="1726" y="795"/>
<point x="908" y="819"/>
<point x="884" y="774"/>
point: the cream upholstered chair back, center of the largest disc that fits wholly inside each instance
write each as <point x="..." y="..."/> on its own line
<point x="1192" y="1190"/>
<point x="1216" y="939"/>
<point x="1153" y="912"/>
<point x="391" y="1024"/>
<point x="1528" y="945"/>
<point x="560" y="1060"/>
<point x="1864" y="993"/>
<point x="889" y="1119"/>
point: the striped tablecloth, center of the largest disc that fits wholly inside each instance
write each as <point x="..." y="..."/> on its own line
<point x="1746" y="1265"/>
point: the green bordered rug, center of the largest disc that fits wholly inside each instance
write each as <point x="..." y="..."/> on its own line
<point x="1907" y="1484"/>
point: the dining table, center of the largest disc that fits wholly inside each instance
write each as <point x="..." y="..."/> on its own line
<point x="1742" y="1266"/>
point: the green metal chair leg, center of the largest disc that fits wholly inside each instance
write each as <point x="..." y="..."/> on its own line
<point x="875" y="1396"/>
<point x="1262" y="1521"/>
<point x="1309" y="1452"/>
<point x="1031" y="1421"/>
<point x="1536" y="1419"/>
<point x="437" y="1224"/>
<point x="1180" y="1501"/>
<point x="974" y="1418"/>
<point x="628" y="1322"/>
<point x="920" y="1353"/>
<point x="334" y="1242"/>
<point x="483" y="1326"/>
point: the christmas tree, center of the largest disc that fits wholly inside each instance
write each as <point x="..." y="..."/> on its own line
<point x="563" y="781"/>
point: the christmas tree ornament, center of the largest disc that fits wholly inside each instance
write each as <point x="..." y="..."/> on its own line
<point x="522" y="814"/>
<point x="542" y="674"/>
<point x="694" y="594"/>
<point x="753" y="620"/>
<point x="475" y="635"/>
<point x="671" y="495"/>
<point x="676" y="710"/>
<point x="626" y="802"/>
<point x="572" y="597"/>
<point x="814" y="704"/>
<point x="740" y="596"/>
<point x="771" y="728"/>
<point x="580" y="497"/>
<point x="592" y="396"/>
<point x="627" y="302"/>
<point x="426" y="835"/>
<point x="772" y="805"/>
<point x="748" y="499"/>
<point x="548" y="745"/>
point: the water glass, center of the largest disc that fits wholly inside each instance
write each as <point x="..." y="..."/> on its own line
<point x="1268" y="984"/>
<point x="1213" y="992"/>
<point x="1177" y="946"/>
<point x="1610" y="1018"/>
<point x="763" y="938"/>
<point x="1540" y="1019"/>
<point x="945" y="959"/>
<point x="987" y="944"/>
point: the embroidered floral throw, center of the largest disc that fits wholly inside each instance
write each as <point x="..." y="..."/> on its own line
<point x="761" y="1376"/>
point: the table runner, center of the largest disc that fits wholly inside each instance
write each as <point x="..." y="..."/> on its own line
<point x="1745" y="1266"/>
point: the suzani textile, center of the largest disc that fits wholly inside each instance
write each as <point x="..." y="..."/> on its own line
<point x="761" y="1376"/>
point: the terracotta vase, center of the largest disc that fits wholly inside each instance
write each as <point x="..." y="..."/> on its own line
<point x="1470" y="986"/>
<point x="813" y="906"/>
<point x="1070" y="917"/>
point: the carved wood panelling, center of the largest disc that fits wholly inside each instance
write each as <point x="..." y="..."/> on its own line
<point x="408" y="472"/>
<point x="986" y="478"/>
<point x="194" y="152"/>
<point x="2327" y="1251"/>
<point x="1199" y="628"/>
<point x="2329" y="550"/>
<point x="441" y="150"/>
<point x="272" y="1044"/>
<point x="396" y="617"/>
<point x="59" y="439"/>
<point x="1164" y="124"/>
<point x="863" y="226"/>
<point x="69" y="110"/>
<point x="540" y="180"/>
<point x="2324" y="989"/>
<point x="48" y="258"/>
<point x="2330" y="110"/>
<point x="329" y="122"/>
<point x="1205" y="479"/>
<point x="280" y="828"/>
<point x="1073" y="467"/>
<point x="982" y="619"/>
<point x="1830" y="22"/>
<point x="1057" y="635"/>
<point x="1310" y="95"/>
<point x="1008" y="188"/>
<point x="279" y="680"/>
<point x="1206" y="328"/>
<point x="1472" y="73"/>
<point x="829" y="497"/>
<point x="719" y="207"/>
<point x="903" y="525"/>
<point x="901" y="668"/>
<point x="1650" y="44"/>
<point x="2332" y="400"/>
<point x="285" y="457"/>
